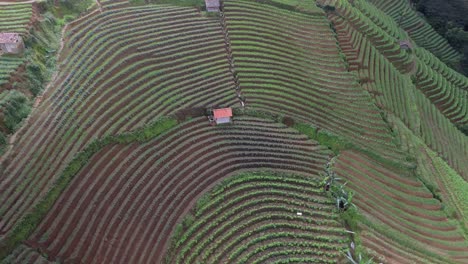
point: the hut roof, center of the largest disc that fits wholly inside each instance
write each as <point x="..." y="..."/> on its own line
<point x="221" y="113"/>
<point x="212" y="3"/>
<point x="9" y="38"/>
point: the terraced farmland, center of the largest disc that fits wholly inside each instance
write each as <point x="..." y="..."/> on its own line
<point x="25" y="254"/>
<point x="239" y="220"/>
<point x="8" y="64"/>
<point x="403" y="216"/>
<point x="293" y="79"/>
<point x="15" y="17"/>
<point x="118" y="163"/>
<point x="125" y="68"/>
<point x="434" y="99"/>
<point x="419" y="30"/>
<point x="150" y="187"/>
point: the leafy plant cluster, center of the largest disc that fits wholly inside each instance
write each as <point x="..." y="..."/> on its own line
<point x="448" y="18"/>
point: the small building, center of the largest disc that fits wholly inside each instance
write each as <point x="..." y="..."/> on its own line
<point x="405" y="44"/>
<point x="212" y="5"/>
<point x="11" y="43"/>
<point x="222" y="115"/>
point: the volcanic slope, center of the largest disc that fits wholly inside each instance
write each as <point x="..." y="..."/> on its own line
<point x="121" y="69"/>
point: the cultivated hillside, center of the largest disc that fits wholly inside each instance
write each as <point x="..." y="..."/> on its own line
<point x="347" y="138"/>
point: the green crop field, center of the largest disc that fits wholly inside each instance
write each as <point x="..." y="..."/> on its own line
<point x="347" y="141"/>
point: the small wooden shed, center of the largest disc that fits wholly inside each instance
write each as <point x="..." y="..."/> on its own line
<point x="212" y="5"/>
<point x="405" y="44"/>
<point x="222" y="115"/>
<point x="11" y="43"/>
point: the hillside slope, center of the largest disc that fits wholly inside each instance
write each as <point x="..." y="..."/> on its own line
<point x="116" y="162"/>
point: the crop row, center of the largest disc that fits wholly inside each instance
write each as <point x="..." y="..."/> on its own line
<point x="295" y="69"/>
<point x="7" y="66"/>
<point x="14" y="18"/>
<point x="418" y="29"/>
<point x="448" y="98"/>
<point x="384" y="42"/>
<point x="416" y="217"/>
<point x="109" y="84"/>
<point x="396" y="93"/>
<point x="134" y="194"/>
<point x="435" y="64"/>
<point x="239" y="221"/>
<point x="438" y="131"/>
<point x="25" y="254"/>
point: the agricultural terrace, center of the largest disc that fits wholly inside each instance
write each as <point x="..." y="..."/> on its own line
<point x="124" y="68"/>
<point x="418" y="29"/>
<point x="405" y="224"/>
<point x="294" y="69"/>
<point x="358" y="20"/>
<point x="72" y="192"/>
<point x="455" y="78"/>
<point x="133" y="195"/>
<point x="25" y="254"/>
<point x="8" y="64"/>
<point x="448" y="98"/>
<point x="13" y="18"/>
<point x="261" y="218"/>
<point x="419" y="106"/>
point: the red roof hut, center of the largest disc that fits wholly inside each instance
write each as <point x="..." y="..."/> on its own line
<point x="222" y="115"/>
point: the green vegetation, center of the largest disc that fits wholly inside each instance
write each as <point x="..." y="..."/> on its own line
<point x="454" y="184"/>
<point x="40" y="54"/>
<point x="449" y="19"/>
<point x="419" y="29"/>
<point x="13" y="18"/>
<point x="333" y="142"/>
<point x="234" y="222"/>
<point x="98" y="92"/>
<point x="38" y="60"/>
<point x="366" y="80"/>
<point x="14" y="106"/>
<point x="67" y="10"/>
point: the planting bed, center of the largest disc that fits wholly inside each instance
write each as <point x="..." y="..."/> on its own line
<point x="253" y="218"/>
<point x="403" y="210"/>
<point x="294" y="69"/>
<point x="125" y="67"/>
<point x="8" y="64"/>
<point x="126" y="203"/>
<point x="185" y="191"/>
<point x="25" y="254"/>
<point x="15" y="17"/>
<point x="431" y="104"/>
<point x="418" y="29"/>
